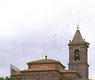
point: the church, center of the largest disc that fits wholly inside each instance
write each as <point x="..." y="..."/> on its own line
<point x="49" y="69"/>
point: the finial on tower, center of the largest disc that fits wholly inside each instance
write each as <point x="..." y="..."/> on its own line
<point x="46" y="56"/>
<point x="77" y="28"/>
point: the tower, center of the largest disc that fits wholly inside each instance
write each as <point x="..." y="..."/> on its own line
<point x="78" y="55"/>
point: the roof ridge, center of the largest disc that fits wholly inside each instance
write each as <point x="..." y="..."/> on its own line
<point x="42" y="61"/>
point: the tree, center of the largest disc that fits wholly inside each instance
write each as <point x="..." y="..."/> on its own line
<point x="6" y="78"/>
<point x="2" y="78"/>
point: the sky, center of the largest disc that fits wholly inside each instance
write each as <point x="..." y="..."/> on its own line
<point x="30" y="29"/>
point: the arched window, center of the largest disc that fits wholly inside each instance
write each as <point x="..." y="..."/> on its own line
<point x="76" y="55"/>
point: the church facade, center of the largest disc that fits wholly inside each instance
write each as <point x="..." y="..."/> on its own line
<point x="49" y="69"/>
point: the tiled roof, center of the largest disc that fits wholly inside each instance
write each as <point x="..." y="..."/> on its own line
<point x="68" y="71"/>
<point x="41" y="68"/>
<point x="17" y="73"/>
<point x="30" y="70"/>
<point x="62" y="71"/>
<point x="43" y="61"/>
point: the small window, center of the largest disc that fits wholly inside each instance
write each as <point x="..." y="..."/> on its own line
<point x="76" y="55"/>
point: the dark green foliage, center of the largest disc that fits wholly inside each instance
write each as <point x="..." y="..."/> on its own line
<point x="1" y="78"/>
<point x="87" y="44"/>
<point x="6" y="78"/>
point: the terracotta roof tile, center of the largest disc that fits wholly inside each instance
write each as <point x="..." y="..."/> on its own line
<point x="68" y="71"/>
<point x="30" y="70"/>
<point x="43" y="61"/>
<point x="17" y="73"/>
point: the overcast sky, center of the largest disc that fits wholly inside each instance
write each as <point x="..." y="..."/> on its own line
<point x="29" y="29"/>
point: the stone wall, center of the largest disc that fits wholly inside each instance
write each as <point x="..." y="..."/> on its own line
<point x="49" y="75"/>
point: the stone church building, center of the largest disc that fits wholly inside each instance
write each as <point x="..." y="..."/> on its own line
<point x="49" y="69"/>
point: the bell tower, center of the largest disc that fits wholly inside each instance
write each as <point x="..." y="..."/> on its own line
<point x="78" y="55"/>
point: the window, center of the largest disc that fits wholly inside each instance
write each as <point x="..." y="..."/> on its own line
<point x="76" y="55"/>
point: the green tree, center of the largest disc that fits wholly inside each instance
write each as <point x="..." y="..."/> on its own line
<point x="2" y="78"/>
<point x="6" y="78"/>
